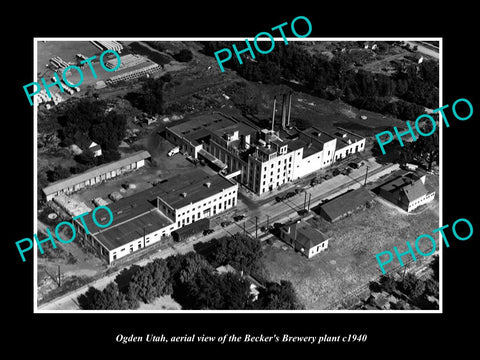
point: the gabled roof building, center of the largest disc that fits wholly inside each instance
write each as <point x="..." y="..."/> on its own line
<point x="304" y="238"/>
<point x="407" y="190"/>
<point x="345" y="204"/>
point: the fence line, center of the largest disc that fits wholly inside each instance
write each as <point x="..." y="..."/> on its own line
<point x="395" y="271"/>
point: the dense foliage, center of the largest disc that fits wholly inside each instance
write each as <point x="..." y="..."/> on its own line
<point x="150" y="98"/>
<point x="242" y="252"/>
<point x="339" y="78"/>
<point x="184" y="55"/>
<point x="91" y="117"/>
<point x="192" y="282"/>
<point x="278" y="297"/>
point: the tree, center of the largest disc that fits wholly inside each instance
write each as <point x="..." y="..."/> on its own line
<point x="184" y="55"/>
<point x="426" y="148"/>
<point x="240" y="251"/>
<point x="184" y="267"/>
<point x="90" y="116"/>
<point x="431" y="287"/>
<point x="108" y="299"/>
<point x="85" y="158"/>
<point x="109" y="131"/>
<point x="435" y="266"/>
<point x="388" y="283"/>
<point x="78" y="169"/>
<point x="58" y="173"/>
<point x="412" y="286"/>
<point x="150" y="98"/>
<point x="89" y="300"/>
<point x="210" y="290"/>
<point x="151" y="281"/>
<point x="109" y="155"/>
<point x="112" y="299"/>
<point x="125" y="276"/>
<point x="278" y="297"/>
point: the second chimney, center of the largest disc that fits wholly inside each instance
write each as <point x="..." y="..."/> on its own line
<point x="289" y="107"/>
<point x="273" y="113"/>
<point x="284" y="110"/>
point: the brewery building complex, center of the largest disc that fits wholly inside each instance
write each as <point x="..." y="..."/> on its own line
<point x="239" y="152"/>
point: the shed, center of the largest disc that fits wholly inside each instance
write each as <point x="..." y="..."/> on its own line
<point x="345" y="204"/>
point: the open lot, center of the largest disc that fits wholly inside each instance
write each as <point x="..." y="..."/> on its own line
<point x="350" y="261"/>
<point x="160" y="167"/>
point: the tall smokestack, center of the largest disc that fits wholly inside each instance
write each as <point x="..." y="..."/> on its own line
<point x="289" y="107"/>
<point x="273" y="113"/>
<point x="284" y="110"/>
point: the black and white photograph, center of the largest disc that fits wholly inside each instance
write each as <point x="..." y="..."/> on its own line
<point x="188" y="185"/>
<point x="207" y="179"/>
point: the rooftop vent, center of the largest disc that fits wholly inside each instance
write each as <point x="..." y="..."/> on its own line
<point x="184" y="194"/>
<point x="208" y="184"/>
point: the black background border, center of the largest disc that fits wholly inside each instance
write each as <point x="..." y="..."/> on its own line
<point x="392" y="332"/>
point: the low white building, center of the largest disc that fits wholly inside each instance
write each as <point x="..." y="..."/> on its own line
<point x="96" y="175"/>
<point x="146" y="217"/>
<point x="304" y="238"/>
<point x="264" y="158"/>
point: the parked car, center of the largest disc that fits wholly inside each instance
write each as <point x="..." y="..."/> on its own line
<point x="207" y="231"/>
<point x="290" y="194"/>
<point x="225" y="223"/>
<point x="173" y="151"/>
<point x="238" y="217"/>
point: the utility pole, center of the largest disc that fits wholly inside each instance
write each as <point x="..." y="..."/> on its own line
<point x="244" y="231"/>
<point x="59" y="283"/>
<point x="256" y="227"/>
<point x="305" y="201"/>
<point x="366" y="173"/>
<point x="309" y="198"/>
<point x="404" y="269"/>
<point x="268" y="218"/>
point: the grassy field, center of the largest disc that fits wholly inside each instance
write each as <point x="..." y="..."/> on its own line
<point x="350" y="260"/>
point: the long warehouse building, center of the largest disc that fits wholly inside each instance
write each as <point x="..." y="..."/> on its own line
<point x="96" y="175"/>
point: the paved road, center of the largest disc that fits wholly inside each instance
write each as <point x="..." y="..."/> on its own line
<point x="285" y="210"/>
<point x="424" y="50"/>
<point x="277" y="212"/>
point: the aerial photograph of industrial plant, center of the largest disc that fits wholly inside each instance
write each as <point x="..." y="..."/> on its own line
<point x="184" y="175"/>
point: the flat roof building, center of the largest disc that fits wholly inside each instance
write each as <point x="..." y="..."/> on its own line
<point x="146" y="217"/>
<point x="262" y="159"/>
<point x="96" y="175"/>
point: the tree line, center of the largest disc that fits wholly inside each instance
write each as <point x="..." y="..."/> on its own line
<point x="193" y="282"/>
<point x="92" y="118"/>
<point x="105" y="126"/>
<point x="404" y="94"/>
<point x="416" y="289"/>
<point x="424" y="151"/>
